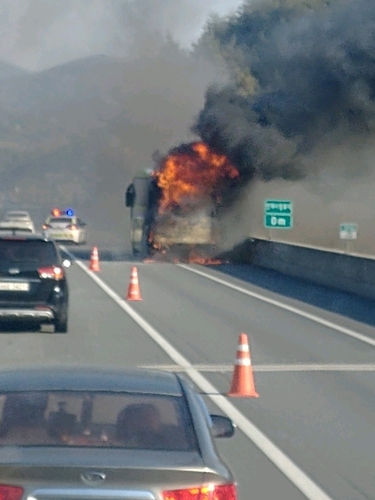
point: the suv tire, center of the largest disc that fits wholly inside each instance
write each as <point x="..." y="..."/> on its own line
<point x="61" y="325"/>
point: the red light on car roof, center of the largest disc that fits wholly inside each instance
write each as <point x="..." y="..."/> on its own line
<point x="56" y="212"/>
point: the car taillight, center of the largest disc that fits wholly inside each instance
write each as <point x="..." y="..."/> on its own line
<point x="209" y="492"/>
<point x="45" y="226"/>
<point x="72" y="226"/>
<point x="51" y="272"/>
<point x="10" y="492"/>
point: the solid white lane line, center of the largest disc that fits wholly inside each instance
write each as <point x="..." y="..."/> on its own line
<point x="281" y="305"/>
<point x="296" y="475"/>
<point x="276" y="368"/>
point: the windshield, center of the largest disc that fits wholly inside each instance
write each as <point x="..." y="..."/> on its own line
<point x="60" y="220"/>
<point x="101" y="419"/>
<point x="17" y="215"/>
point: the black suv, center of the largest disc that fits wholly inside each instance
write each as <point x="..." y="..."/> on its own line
<point x="33" y="286"/>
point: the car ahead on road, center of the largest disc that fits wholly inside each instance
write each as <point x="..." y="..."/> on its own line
<point x="33" y="284"/>
<point x="65" y="228"/>
<point x="82" y="433"/>
<point x="17" y="218"/>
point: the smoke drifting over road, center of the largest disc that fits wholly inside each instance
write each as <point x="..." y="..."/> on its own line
<point x="141" y="95"/>
<point x="316" y="77"/>
<point x="37" y="34"/>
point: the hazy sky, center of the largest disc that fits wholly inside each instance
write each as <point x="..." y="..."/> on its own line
<point x="36" y="34"/>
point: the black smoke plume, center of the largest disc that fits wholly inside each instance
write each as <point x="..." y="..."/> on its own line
<point x="316" y="77"/>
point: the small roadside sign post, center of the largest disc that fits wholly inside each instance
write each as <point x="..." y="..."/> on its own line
<point x="348" y="232"/>
<point x="278" y="214"/>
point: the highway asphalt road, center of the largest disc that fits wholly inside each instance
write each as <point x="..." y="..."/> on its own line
<point x="310" y="434"/>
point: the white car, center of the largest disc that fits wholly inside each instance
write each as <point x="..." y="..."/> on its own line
<point x="16" y="219"/>
<point x="66" y="229"/>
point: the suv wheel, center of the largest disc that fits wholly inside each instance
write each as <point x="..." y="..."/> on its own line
<point x="61" y="324"/>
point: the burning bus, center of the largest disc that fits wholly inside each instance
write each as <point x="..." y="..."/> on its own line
<point x="174" y="209"/>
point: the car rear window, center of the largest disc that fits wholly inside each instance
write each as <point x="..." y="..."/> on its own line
<point x="100" y="419"/>
<point x="17" y="251"/>
<point x="17" y="215"/>
<point x="61" y="220"/>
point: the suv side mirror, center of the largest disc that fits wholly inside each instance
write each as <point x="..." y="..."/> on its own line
<point x="130" y="196"/>
<point x="222" y="427"/>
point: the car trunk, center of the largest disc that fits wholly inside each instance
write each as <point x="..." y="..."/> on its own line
<point x="57" y="473"/>
<point x="60" y="228"/>
<point x="25" y="286"/>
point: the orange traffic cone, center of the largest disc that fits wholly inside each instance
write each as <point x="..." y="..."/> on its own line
<point x="94" y="260"/>
<point x="134" y="292"/>
<point x="243" y="379"/>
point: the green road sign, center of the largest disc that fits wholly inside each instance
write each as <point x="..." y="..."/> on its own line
<point x="348" y="231"/>
<point x="278" y="214"/>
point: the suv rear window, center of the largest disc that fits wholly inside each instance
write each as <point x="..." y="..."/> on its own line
<point x="95" y="419"/>
<point x="17" y="251"/>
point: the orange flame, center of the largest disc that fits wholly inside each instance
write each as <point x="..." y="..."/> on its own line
<point x="192" y="258"/>
<point x="193" y="175"/>
<point x="195" y="258"/>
